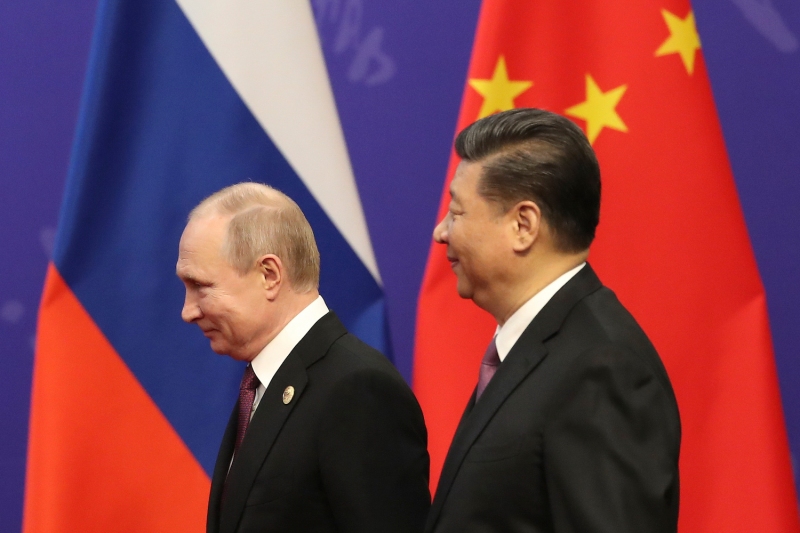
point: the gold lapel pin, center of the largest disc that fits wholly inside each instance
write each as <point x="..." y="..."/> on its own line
<point x="288" y="394"/>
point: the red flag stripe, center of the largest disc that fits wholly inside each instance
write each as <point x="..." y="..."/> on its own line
<point x="101" y="457"/>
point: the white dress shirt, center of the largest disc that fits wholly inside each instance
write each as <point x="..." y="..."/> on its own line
<point x="270" y="359"/>
<point x="508" y="335"/>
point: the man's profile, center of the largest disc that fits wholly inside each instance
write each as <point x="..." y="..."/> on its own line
<point x="573" y="425"/>
<point x="326" y="435"/>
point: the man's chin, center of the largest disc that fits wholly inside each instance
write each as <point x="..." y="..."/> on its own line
<point x="236" y="355"/>
<point x="464" y="290"/>
<point x="220" y="348"/>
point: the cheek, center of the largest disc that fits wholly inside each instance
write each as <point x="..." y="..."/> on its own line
<point x="457" y="235"/>
<point x="465" y="236"/>
<point x="480" y="253"/>
<point x="244" y="308"/>
<point x="216" y="306"/>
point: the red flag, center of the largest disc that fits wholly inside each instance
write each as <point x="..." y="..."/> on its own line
<point x="672" y="241"/>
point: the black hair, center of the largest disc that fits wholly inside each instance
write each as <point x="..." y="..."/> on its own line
<point x="532" y="154"/>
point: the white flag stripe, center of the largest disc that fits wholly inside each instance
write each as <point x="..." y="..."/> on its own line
<point x="270" y="52"/>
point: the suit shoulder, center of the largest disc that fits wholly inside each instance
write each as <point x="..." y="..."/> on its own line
<point x="603" y="310"/>
<point x="349" y="357"/>
<point x="600" y="319"/>
<point x="601" y="331"/>
<point x="354" y="374"/>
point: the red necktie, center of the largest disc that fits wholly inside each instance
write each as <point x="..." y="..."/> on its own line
<point x="247" y="395"/>
<point x="489" y="364"/>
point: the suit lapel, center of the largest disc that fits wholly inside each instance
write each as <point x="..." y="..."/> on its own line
<point x="269" y="418"/>
<point x="523" y="358"/>
<point x="508" y="376"/>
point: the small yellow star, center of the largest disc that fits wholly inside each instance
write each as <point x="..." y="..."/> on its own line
<point x="683" y="39"/>
<point x="598" y="110"/>
<point x="499" y="92"/>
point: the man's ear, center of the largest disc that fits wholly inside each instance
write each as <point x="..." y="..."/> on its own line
<point x="271" y="272"/>
<point x="527" y="224"/>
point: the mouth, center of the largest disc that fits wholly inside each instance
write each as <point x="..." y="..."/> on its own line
<point x="453" y="261"/>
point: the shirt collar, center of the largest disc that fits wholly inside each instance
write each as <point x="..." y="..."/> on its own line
<point x="508" y="335"/>
<point x="270" y="359"/>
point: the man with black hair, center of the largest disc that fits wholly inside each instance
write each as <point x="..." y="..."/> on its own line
<point x="573" y="425"/>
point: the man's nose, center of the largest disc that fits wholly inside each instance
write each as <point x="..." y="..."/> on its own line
<point x="191" y="311"/>
<point x="440" y="231"/>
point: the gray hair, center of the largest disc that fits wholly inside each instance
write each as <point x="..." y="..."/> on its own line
<point x="265" y="221"/>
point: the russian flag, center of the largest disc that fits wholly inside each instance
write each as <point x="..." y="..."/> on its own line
<point x="181" y="99"/>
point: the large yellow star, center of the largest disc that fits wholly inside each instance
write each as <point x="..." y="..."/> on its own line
<point x="499" y="92"/>
<point x="683" y="39"/>
<point x="598" y="110"/>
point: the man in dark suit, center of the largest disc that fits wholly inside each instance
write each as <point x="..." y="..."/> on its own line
<point x="326" y="435"/>
<point x="573" y="426"/>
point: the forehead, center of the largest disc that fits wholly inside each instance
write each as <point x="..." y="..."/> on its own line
<point x="466" y="178"/>
<point x="201" y="242"/>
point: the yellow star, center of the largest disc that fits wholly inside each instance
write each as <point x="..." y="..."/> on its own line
<point x="683" y="39"/>
<point x="598" y="110"/>
<point x="499" y="92"/>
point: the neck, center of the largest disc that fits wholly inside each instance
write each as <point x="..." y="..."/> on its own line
<point x="292" y="305"/>
<point x="528" y="285"/>
<point x="298" y="302"/>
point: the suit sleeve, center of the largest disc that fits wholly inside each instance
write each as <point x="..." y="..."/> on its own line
<point x="611" y="448"/>
<point x="373" y="455"/>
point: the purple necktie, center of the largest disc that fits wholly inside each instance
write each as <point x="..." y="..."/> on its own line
<point x="489" y="364"/>
<point x="247" y="395"/>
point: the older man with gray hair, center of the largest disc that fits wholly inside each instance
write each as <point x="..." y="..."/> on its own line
<point x="326" y="435"/>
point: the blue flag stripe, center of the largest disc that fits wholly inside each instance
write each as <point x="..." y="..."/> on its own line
<point x="162" y="128"/>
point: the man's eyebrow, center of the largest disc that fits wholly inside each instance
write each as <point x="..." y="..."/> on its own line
<point x="188" y="276"/>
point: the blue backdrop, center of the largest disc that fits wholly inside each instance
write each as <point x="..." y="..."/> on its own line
<point x="398" y="72"/>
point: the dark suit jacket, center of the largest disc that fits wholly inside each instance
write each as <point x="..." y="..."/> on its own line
<point x="578" y="431"/>
<point x="347" y="454"/>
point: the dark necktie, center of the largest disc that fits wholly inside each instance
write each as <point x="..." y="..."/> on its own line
<point x="247" y="395"/>
<point x="489" y="364"/>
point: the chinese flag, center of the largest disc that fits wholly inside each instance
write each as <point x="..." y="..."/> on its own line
<point x="672" y="241"/>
